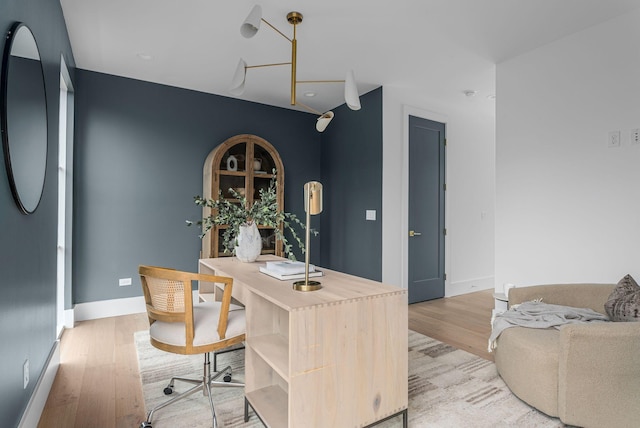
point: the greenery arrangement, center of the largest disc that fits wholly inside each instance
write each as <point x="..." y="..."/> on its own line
<point x="237" y="212"/>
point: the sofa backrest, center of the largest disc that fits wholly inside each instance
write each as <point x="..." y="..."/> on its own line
<point x="591" y="296"/>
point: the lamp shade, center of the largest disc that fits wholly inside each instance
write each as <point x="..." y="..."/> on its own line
<point x="237" y="83"/>
<point x="251" y="25"/>
<point x="351" y="91"/>
<point x="313" y="197"/>
<point x="323" y="121"/>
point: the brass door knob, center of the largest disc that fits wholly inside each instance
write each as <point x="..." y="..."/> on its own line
<point x="414" y="233"/>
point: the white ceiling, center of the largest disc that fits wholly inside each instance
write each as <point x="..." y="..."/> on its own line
<point x="438" y="47"/>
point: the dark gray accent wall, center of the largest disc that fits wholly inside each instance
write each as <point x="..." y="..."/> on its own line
<point x="352" y="184"/>
<point x="28" y="243"/>
<point x="139" y="152"/>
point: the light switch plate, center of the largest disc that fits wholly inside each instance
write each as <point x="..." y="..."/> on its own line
<point x="122" y="282"/>
<point x="371" y="215"/>
<point x="614" y="139"/>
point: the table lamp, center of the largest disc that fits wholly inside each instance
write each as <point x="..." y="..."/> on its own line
<point x="312" y="206"/>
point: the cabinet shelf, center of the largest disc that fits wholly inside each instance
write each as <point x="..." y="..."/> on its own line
<point x="225" y="226"/>
<point x="235" y="173"/>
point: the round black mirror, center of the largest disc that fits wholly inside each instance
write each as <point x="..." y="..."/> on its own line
<point x="24" y="118"/>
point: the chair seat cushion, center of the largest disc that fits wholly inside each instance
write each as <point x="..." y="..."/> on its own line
<point x="205" y="319"/>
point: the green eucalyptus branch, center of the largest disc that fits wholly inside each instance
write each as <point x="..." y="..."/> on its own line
<point x="264" y="211"/>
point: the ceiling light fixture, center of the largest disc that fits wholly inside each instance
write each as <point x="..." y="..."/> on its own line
<point x="249" y="29"/>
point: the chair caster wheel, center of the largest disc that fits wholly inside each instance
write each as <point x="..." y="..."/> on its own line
<point x="145" y="425"/>
<point x="167" y="391"/>
<point x="227" y="378"/>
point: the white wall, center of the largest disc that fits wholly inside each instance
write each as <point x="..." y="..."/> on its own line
<point x="470" y="200"/>
<point x="567" y="206"/>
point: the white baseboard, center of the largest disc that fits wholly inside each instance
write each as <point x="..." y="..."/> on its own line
<point x="109" y="308"/>
<point x="469" y="286"/>
<point x="69" y="320"/>
<point x="32" y="413"/>
<point x="112" y="308"/>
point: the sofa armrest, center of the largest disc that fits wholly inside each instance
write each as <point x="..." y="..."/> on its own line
<point x="591" y="296"/>
<point x="599" y="374"/>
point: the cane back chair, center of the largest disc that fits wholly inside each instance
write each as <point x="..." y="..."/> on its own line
<point x="179" y="326"/>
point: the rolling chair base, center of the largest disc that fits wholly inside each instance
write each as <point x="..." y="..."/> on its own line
<point x="203" y="384"/>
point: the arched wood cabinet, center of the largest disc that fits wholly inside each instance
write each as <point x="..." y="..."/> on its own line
<point x="245" y="163"/>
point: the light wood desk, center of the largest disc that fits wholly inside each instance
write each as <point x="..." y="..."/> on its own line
<point x="336" y="357"/>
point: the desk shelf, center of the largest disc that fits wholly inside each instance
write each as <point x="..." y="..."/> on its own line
<point x="272" y="402"/>
<point x="274" y="350"/>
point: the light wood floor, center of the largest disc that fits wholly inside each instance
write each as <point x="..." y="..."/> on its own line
<point x="461" y="321"/>
<point x="98" y="385"/>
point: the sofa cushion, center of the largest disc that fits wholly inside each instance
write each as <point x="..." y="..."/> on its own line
<point x="624" y="302"/>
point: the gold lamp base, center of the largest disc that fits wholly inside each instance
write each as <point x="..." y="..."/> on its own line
<point x="306" y="286"/>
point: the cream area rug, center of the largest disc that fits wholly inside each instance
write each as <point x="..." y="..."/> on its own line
<point x="448" y="388"/>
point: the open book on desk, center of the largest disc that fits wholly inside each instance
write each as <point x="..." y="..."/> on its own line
<point x="290" y="276"/>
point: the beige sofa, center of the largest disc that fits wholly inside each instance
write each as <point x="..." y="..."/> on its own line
<point x="588" y="375"/>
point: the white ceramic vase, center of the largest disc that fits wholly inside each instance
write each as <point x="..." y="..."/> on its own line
<point x="249" y="243"/>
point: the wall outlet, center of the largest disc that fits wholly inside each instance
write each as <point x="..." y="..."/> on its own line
<point x="614" y="139"/>
<point x="635" y="136"/>
<point x="25" y="374"/>
<point x="123" y="282"/>
<point x="370" y="215"/>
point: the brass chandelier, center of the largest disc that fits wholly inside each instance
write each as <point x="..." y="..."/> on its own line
<point x="249" y="29"/>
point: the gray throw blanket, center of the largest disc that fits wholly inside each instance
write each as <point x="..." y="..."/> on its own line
<point x="540" y="315"/>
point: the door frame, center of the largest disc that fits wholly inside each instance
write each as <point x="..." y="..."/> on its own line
<point x="404" y="220"/>
<point x="66" y="120"/>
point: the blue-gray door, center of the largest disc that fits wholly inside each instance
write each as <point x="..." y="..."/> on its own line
<point x="426" y="209"/>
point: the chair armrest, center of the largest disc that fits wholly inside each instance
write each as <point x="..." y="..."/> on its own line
<point x="599" y="374"/>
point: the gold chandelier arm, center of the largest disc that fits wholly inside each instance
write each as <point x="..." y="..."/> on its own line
<point x="320" y="81"/>
<point x="294" y="60"/>
<point x="312" y="110"/>
<point x="275" y="29"/>
<point x="268" y="65"/>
